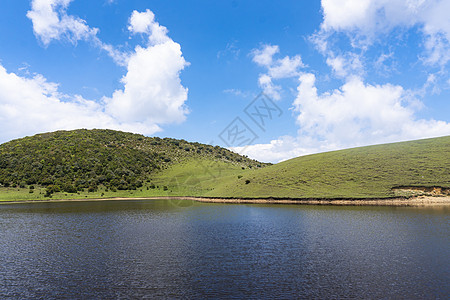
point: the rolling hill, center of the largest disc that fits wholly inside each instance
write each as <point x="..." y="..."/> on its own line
<point x="77" y="161"/>
<point x="365" y="172"/>
<point x="105" y="163"/>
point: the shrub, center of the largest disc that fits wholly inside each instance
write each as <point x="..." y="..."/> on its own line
<point x="69" y="188"/>
<point x="48" y="192"/>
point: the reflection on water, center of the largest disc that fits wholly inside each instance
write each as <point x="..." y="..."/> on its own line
<point x="114" y="249"/>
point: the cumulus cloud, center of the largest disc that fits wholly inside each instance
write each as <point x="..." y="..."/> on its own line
<point x="51" y="22"/>
<point x="356" y="114"/>
<point x="361" y="113"/>
<point x="152" y="86"/>
<point x="140" y="22"/>
<point x="286" y="67"/>
<point x="144" y="22"/>
<point x="152" y="92"/>
<point x="30" y="105"/>
<point x="366" y="20"/>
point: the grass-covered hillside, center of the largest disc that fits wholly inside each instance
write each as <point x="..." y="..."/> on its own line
<point x="371" y="171"/>
<point x="100" y="160"/>
<point x="105" y="163"/>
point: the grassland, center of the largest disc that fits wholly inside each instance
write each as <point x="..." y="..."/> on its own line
<point x="193" y="177"/>
<point x="365" y="172"/>
<point x="101" y="161"/>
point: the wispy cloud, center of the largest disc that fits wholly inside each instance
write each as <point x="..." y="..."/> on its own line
<point x="286" y="67"/>
<point x="231" y="51"/>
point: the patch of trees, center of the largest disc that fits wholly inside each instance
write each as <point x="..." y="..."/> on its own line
<point x="72" y="161"/>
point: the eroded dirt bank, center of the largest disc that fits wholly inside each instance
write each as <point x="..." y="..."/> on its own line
<point x="398" y="201"/>
<point x="413" y="201"/>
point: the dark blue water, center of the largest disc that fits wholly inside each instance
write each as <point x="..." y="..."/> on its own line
<point x="157" y="249"/>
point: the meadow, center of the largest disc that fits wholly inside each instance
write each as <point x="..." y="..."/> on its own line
<point x="364" y="172"/>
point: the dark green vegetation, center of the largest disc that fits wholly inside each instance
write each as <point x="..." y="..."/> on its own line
<point x="101" y="160"/>
<point x="106" y="163"/>
<point x="365" y="172"/>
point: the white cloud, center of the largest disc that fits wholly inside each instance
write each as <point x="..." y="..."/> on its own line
<point x="436" y="25"/>
<point x="344" y="66"/>
<point x="230" y="51"/>
<point x="264" y="56"/>
<point x="345" y="14"/>
<point x="286" y="67"/>
<point x="50" y="21"/>
<point x="360" y="113"/>
<point x="366" y="20"/>
<point x="152" y="90"/>
<point x="356" y="114"/>
<point x="269" y="88"/>
<point x="140" y="22"/>
<point x="385" y="64"/>
<point x="369" y="17"/>
<point x="118" y="57"/>
<point x="152" y="94"/>
<point x="30" y="105"/>
<point x="237" y="93"/>
<point x="144" y="22"/>
<point x="283" y="148"/>
<point x="356" y="35"/>
<point x="152" y="87"/>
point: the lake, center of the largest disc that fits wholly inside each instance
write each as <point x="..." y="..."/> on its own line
<point x="171" y="249"/>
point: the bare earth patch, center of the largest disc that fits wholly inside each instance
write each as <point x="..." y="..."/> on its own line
<point x="434" y="191"/>
<point x="416" y="201"/>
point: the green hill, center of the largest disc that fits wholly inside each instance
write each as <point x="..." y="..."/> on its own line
<point x="79" y="161"/>
<point x="105" y="163"/>
<point x="365" y="172"/>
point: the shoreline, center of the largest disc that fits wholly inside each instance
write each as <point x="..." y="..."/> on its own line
<point x="415" y="201"/>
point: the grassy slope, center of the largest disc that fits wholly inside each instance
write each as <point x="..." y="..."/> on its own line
<point x="354" y="173"/>
<point x="193" y="177"/>
<point x="110" y="164"/>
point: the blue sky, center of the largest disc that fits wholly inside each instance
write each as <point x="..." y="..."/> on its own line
<point x="334" y="74"/>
